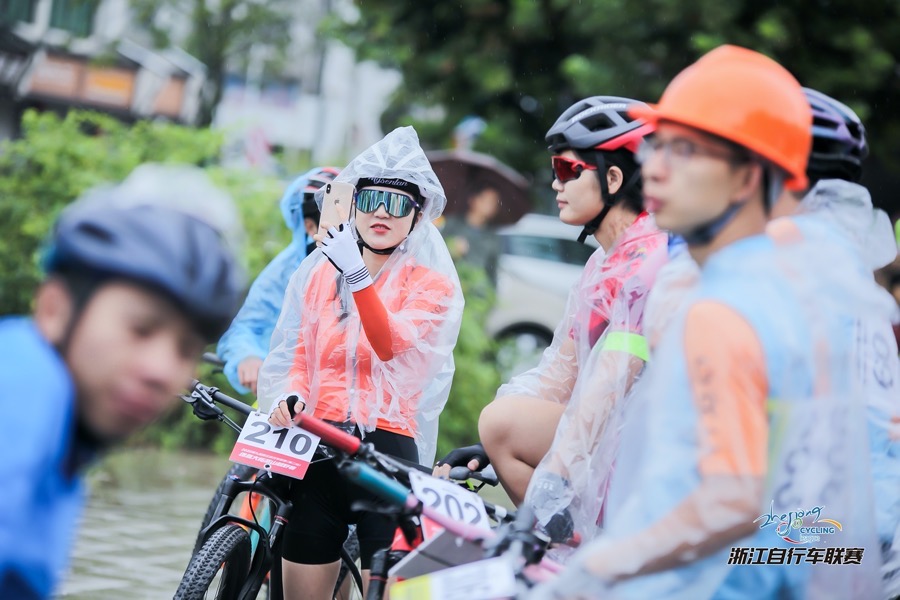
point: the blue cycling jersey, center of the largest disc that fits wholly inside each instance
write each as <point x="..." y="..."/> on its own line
<point x="41" y="502"/>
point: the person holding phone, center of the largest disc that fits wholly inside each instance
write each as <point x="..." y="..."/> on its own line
<point x="365" y="340"/>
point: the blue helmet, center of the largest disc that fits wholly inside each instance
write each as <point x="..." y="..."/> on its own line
<point x="161" y="248"/>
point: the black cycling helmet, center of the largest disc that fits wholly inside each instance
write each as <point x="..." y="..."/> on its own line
<point x="600" y="130"/>
<point x="839" y="140"/>
<point x="162" y="248"/>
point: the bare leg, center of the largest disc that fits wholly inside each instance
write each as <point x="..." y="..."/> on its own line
<point x="309" y="582"/>
<point x="517" y="432"/>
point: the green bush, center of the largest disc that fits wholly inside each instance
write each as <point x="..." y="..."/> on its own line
<point x="58" y="158"/>
<point x="54" y="162"/>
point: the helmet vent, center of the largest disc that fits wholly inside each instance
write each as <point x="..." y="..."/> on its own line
<point x="598" y="121"/>
<point x="93" y="230"/>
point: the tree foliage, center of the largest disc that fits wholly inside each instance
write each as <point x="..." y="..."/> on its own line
<point x="476" y="378"/>
<point x="520" y="63"/>
<point x="220" y="33"/>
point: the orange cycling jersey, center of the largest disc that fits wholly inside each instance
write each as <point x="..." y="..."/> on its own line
<point x="386" y="331"/>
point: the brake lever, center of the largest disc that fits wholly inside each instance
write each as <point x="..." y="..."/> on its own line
<point x="202" y="404"/>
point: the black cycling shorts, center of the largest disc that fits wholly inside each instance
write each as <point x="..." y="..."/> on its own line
<point x="320" y="521"/>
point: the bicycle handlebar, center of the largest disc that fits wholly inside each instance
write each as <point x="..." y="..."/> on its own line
<point x="487" y="475"/>
<point x="213" y="359"/>
<point x="331" y="435"/>
<point x="213" y="393"/>
<point x="378" y="482"/>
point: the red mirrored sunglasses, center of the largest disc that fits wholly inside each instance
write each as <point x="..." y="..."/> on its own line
<point x="567" y="169"/>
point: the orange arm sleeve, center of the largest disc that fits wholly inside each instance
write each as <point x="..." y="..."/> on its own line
<point x="375" y="322"/>
<point x="727" y="371"/>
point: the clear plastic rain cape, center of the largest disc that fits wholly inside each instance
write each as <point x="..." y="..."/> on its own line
<point x="848" y="206"/>
<point x="319" y="347"/>
<point x="831" y="210"/>
<point x="597" y="353"/>
<point x="674" y="528"/>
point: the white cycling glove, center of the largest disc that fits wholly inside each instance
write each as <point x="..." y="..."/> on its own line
<point x="341" y="249"/>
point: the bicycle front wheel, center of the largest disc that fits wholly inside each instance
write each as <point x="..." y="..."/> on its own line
<point x="220" y="568"/>
<point x="236" y="470"/>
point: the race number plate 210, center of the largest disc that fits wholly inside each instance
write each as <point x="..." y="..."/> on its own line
<point x="286" y="451"/>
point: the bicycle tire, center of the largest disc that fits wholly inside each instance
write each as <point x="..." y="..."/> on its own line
<point x="227" y="551"/>
<point x="241" y="472"/>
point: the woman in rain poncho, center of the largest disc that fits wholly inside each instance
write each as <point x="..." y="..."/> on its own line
<point x="564" y="406"/>
<point x="365" y="339"/>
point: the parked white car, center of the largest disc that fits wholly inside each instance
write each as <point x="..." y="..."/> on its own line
<point x="541" y="260"/>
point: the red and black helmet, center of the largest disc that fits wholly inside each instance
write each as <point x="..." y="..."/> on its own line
<point x="598" y="123"/>
<point x="600" y="130"/>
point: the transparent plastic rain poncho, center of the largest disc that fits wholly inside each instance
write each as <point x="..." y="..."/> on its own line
<point x="833" y="209"/>
<point x="596" y="355"/>
<point x="251" y="330"/>
<point x="420" y="290"/>
<point x="671" y="523"/>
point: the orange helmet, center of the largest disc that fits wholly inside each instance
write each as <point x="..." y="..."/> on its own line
<point x="744" y="97"/>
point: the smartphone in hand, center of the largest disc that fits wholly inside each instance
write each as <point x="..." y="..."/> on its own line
<point x="336" y="204"/>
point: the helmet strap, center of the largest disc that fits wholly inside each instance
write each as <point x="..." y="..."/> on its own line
<point x="609" y="200"/>
<point x="772" y="184"/>
<point x="704" y="234"/>
<point x="591" y="227"/>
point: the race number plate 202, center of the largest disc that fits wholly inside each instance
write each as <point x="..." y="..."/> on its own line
<point x="287" y="451"/>
<point x="448" y="499"/>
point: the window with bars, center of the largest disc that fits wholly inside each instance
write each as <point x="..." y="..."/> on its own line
<point x="74" y="16"/>
<point x="13" y="11"/>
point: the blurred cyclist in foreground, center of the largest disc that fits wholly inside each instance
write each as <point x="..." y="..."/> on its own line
<point x="134" y="291"/>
